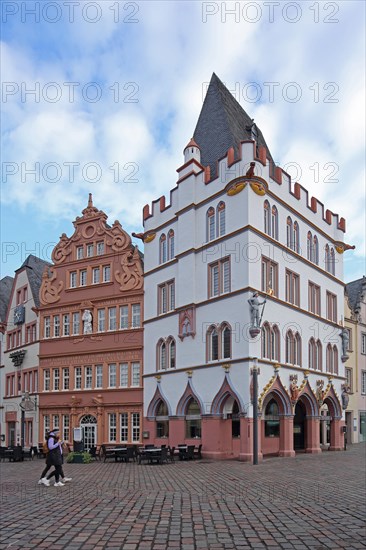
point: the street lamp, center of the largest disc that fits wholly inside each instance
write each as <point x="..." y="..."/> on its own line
<point x="26" y="404"/>
<point x="255" y="410"/>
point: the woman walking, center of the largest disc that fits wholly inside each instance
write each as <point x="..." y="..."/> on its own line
<point x="54" y="458"/>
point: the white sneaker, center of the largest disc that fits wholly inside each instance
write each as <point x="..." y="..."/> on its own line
<point x="45" y="481"/>
<point x="66" y="479"/>
<point x="59" y="484"/>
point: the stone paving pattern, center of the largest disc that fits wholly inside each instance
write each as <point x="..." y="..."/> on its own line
<point x="292" y="503"/>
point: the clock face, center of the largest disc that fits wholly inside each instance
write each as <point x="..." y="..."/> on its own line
<point x="19" y="315"/>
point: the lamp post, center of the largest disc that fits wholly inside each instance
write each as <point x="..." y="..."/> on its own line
<point x="255" y="410"/>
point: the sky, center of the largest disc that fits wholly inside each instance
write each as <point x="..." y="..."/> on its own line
<point x="102" y="97"/>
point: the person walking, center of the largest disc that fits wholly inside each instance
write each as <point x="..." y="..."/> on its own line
<point x="49" y="463"/>
<point x="54" y="457"/>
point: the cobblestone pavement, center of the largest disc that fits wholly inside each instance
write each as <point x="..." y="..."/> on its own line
<point x="306" y="502"/>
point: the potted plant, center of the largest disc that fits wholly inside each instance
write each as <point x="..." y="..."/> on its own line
<point x="79" y="458"/>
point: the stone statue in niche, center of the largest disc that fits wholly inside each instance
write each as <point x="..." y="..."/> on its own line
<point x="187" y="323"/>
<point x="254" y="304"/>
<point x="320" y="391"/>
<point x="87" y="319"/>
<point x="294" y="388"/>
<point x="345" y="343"/>
<point x="345" y="396"/>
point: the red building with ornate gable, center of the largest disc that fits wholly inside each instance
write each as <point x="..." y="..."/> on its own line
<point x="91" y="348"/>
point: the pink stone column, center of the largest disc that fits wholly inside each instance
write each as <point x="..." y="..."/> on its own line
<point x="246" y="440"/>
<point x="336" y="434"/>
<point x="216" y="437"/>
<point x="287" y="436"/>
<point x="312" y="428"/>
<point x="177" y="431"/>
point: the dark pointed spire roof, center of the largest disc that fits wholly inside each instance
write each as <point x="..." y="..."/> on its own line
<point x="222" y="124"/>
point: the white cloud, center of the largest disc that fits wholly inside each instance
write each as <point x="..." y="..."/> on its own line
<point x="169" y="54"/>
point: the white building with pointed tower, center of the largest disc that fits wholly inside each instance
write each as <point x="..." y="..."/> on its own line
<point x="236" y="226"/>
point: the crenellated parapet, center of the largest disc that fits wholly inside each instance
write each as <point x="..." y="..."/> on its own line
<point x="195" y="183"/>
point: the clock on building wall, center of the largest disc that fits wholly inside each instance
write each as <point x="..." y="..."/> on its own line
<point x="19" y="315"/>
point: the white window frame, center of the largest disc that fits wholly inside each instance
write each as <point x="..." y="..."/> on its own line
<point x="112" y="375"/>
<point x="123" y="374"/>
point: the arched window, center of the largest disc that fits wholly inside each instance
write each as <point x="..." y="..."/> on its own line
<point x="309" y="242"/>
<point x="161" y="355"/>
<point x="172" y="354"/>
<point x="220" y="219"/>
<point x="275" y="343"/>
<point x="213" y="344"/>
<point x="166" y="354"/>
<point x="297" y="350"/>
<point x="267" y="217"/>
<point x="218" y="342"/>
<point x="312" y="356"/>
<point x="335" y="359"/>
<point x="162" y="420"/>
<point x="332" y="261"/>
<point x="316" y="250"/>
<point x="210" y="224"/>
<point x="327" y="258"/>
<point x="162" y="249"/>
<point x="270" y="342"/>
<point x="329" y="359"/>
<point x="274" y="223"/>
<point x="193" y="419"/>
<point x="272" y="420"/>
<point x="289" y="232"/>
<point x="266" y="338"/>
<point x="290" y="347"/>
<point x="318" y="355"/>
<point x="296" y="238"/>
<point x="171" y="244"/>
<point x="226" y="342"/>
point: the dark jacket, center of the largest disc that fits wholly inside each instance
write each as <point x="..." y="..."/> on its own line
<point x="54" y="457"/>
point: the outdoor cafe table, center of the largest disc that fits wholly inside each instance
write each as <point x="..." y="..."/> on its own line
<point x="151" y="454"/>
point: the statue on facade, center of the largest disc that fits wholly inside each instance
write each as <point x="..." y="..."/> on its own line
<point x="294" y="389"/>
<point x="254" y="304"/>
<point x="320" y="391"/>
<point x="345" y="343"/>
<point x="87" y="319"/>
<point x="345" y="396"/>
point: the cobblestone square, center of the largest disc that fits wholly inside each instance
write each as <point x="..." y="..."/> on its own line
<point x="305" y="502"/>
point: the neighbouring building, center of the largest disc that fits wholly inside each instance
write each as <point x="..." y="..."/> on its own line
<point x="6" y="285"/>
<point x="355" y="323"/>
<point x="91" y="334"/>
<point x="21" y="356"/>
<point x="236" y="225"/>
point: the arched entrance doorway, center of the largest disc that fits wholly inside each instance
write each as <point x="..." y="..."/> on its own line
<point x="88" y="423"/>
<point x="299" y="427"/>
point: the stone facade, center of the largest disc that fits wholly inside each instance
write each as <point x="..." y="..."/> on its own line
<point x="20" y="373"/>
<point x="228" y="233"/>
<point x="355" y="323"/>
<point x="91" y="334"/>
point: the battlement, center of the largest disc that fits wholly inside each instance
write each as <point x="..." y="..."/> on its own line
<point x="197" y="184"/>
